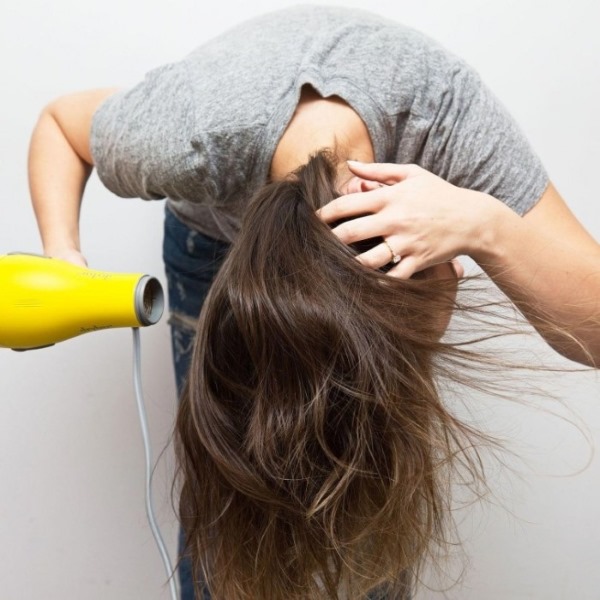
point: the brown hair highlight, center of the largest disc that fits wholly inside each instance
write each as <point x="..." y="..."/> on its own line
<point x="316" y="456"/>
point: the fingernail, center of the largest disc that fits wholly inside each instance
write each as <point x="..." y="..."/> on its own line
<point x="355" y="162"/>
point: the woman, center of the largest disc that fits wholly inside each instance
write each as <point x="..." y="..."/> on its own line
<point x="254" y="104"/>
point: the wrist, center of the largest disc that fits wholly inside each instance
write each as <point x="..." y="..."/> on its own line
<point x="69" y="254"/>
<point x="53" y="248"/>
<point x="493" y="222"/>
<point x="59" y="247"/>
<point x="59" y="237"/>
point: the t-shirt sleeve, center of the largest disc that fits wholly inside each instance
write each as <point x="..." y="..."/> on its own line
<point x="474" y="143"/>
<point x="141" y="139"/>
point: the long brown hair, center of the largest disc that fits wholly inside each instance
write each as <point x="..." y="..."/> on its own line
<point x="315" y="454"/>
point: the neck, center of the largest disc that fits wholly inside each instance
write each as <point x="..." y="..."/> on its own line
<point x="321" y="123"/>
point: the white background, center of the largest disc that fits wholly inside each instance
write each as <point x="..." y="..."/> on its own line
<point x="72" y="522"/>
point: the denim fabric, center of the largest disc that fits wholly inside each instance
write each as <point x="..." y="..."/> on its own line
<point x="191" y="263"/>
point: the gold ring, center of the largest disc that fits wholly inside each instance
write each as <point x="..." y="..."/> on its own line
<point x="395" y="257"/>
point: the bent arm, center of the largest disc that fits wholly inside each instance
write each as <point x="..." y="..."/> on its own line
<point x="546" y="262"/>
<point x="60" y="164"/>
<point x="549" y="265"/>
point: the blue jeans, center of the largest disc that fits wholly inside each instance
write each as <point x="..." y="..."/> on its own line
<point x="191" y="263"/>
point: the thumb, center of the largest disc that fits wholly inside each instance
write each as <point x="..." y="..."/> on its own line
<point x="388" y="173"/>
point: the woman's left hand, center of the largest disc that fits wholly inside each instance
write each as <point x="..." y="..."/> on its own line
<point x="423" y="219"/>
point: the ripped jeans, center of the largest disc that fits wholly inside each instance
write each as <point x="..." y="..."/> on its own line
<point x="191" y="263"/>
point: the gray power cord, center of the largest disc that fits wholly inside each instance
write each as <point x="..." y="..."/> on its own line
<point x="137" y="383"/>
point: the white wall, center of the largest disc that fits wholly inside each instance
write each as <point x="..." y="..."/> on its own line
<point x="72" y="521"/>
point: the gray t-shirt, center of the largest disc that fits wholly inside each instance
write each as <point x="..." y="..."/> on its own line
<point x="202" y="132"/>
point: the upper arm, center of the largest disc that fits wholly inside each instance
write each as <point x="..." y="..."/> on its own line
<point x="552" y="215"/>
<point x="73" y="114"/>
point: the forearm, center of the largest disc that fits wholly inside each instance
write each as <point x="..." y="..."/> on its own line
<point x="60" y="163"/>
<point x="57" y="178"/>
<point x="554" y="283"/>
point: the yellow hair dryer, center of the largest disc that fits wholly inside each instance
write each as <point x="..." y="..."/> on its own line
<point x="46" y="300"/>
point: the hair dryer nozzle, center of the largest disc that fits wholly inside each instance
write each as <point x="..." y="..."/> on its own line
<point x="149" y="300"/>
